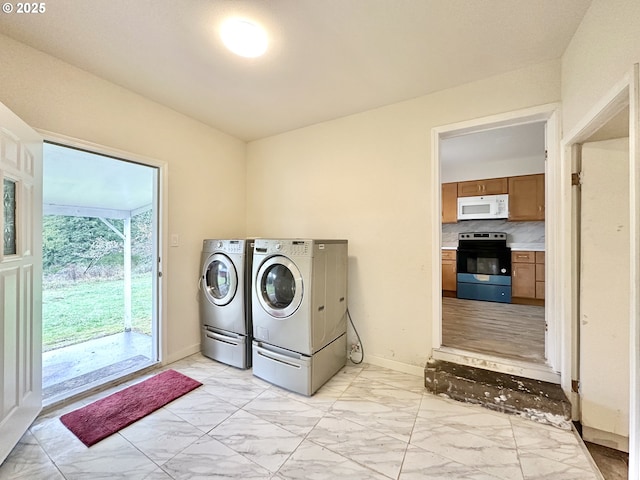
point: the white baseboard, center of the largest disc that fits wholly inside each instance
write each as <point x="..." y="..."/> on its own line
<point x="394" y="365"/>
<point x="606" y="439"/>
<point x="179" y="355"/>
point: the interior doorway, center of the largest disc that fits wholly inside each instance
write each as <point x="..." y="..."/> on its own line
<point x="100" y="292"/>
<point x="500" y="345"/>
<point x="477" y="318"/>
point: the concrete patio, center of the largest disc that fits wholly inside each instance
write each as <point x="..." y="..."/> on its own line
<point x="70" y="370"/>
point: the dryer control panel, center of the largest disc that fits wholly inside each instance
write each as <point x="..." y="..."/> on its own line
<point x="285" y="247"/>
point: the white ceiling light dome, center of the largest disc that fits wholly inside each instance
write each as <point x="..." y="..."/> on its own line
<point x="244" y="37"/>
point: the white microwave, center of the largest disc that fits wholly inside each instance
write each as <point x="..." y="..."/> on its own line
<point x="485" y="207"/>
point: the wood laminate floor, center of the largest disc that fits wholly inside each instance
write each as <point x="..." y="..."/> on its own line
<point x="502" y="329"/>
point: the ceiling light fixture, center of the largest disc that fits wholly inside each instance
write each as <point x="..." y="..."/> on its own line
<point x="244" y="38"/>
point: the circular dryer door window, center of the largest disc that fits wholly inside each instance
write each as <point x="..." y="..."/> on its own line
<point x="279" y="286"/>
<point x="220" y="279"/>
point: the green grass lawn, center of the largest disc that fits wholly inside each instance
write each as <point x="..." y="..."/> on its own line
<point x="75" y="312"/>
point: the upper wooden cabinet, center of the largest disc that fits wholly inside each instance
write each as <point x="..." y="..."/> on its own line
<point x="526" y="197"/>
<point x="491" y="186"/>
<point x="449" y="202"/>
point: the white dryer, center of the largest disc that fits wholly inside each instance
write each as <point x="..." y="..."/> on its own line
<point x="225" y="303"/>
<point x="299" y="305"/>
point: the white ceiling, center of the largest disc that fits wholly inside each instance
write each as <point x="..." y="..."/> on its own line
<point x="525" y="141"/>
<point x="327" y="58"/>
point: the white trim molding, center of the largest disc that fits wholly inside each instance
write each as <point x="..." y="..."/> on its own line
<point x="555" y="303"/>
<point x="162" y="186"/>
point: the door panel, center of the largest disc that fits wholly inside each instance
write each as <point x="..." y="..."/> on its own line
<point x="634" y="154"/>
<point x="20" y="279"/>
<point x="220" y="280"/>
<point x="279" y="287"/>
<point x="604" y="290"/>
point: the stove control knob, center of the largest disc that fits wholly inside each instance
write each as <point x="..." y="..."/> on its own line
<point x="504" y="270"/>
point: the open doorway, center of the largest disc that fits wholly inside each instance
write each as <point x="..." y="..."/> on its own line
<point x="100" y="274"/>
<point x="510" y="330"/>
<point x="499" y="310"/>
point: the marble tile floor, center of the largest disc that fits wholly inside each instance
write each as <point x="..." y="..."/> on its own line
<point x="365" y="423"/>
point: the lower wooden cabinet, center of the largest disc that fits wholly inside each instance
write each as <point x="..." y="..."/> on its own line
<point x="449" y="270"/>
<point x="527" y="275"/>
<point x="540" y="272"/>
<point x="523" y="280"/>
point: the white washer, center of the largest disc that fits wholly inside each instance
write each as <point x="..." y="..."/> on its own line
<point x="299" y="305"/>
<point x="225" y="305"/>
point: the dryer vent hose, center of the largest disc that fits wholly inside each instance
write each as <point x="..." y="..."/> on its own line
<point x="358" y="347"/>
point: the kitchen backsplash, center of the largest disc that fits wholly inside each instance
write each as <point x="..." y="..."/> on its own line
<point x="521" y="233"/>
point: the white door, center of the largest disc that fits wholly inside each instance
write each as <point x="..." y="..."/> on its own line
<point x="634" y="174"/>
<point x="604" y="291"/>
<point x="20" y="279"/>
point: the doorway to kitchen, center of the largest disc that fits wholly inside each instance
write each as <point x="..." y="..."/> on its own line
<point x="484" y="162"/>
<point x="100" y="292"/>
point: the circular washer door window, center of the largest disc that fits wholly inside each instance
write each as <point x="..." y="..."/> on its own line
<point x="220" y="279"/>
<point x="279" y="286"/>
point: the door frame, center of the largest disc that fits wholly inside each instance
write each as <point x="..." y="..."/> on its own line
<point x="159" y="306"/>
<point x="625" y="92"/>
<point x="556" y="302"/>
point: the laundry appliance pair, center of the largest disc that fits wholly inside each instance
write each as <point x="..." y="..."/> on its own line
<point x="293" y="293"/>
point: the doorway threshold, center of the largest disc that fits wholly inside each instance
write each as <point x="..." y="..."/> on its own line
<point x="74" y="369"/>
<point x="536" y="400"/>
<point x="534" y="371"/>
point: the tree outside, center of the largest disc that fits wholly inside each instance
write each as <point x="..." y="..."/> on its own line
<point x="83" y="278"/>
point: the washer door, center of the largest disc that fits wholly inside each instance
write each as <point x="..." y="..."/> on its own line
<point x="279" y="286"/>
<point x="220" y="279"/>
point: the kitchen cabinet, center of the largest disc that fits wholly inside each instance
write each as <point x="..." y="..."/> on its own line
<point x="449" y="270"/>
<point x="527" y="275"/>
<point x="526" y="197"/>
<point x="449" y="202"/>
<point x="490" y="186"/>
<point x="540" y="272"/>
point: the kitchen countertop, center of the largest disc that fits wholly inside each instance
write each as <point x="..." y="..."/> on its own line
<point x="518" y="247"/>
<point x="536" y="247"/>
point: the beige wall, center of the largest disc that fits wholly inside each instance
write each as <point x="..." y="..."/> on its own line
<point x="367" y="178"/>
<point x="602" y="51"/>
<point x="206" y="168"/>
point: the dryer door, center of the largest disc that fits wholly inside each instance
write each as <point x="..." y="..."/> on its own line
<point x="279" y="286"/>
<point x="219" y="279"/>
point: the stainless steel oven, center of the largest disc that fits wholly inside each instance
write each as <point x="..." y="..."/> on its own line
<point x="484" y="267"/>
